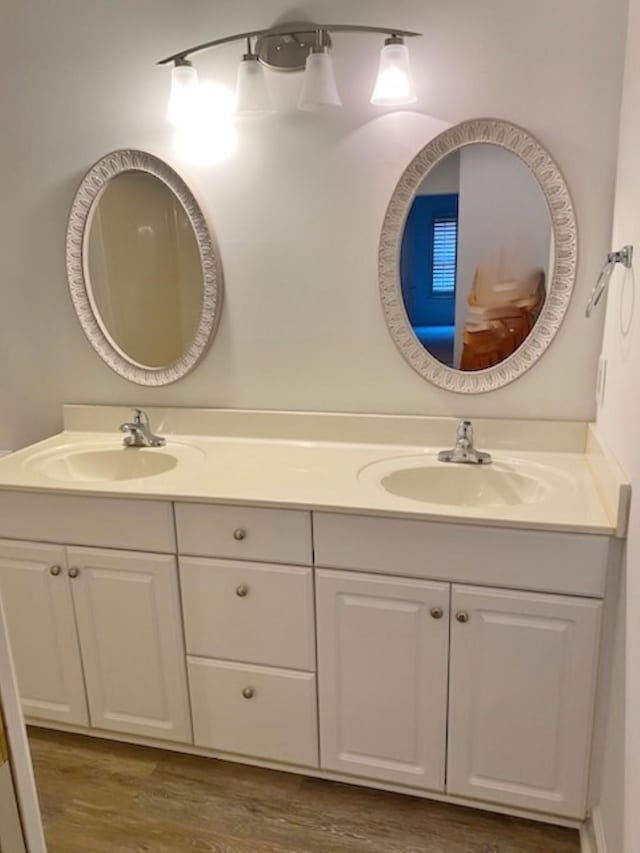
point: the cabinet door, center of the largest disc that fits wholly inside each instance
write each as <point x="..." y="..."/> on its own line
<point x="130" y="629"/>
<point x="522" y="682"/>
<point x="39" y="611"/>
<point x="382" y="665"/>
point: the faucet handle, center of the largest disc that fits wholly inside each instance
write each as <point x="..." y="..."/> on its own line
<point x="140" y="417"/>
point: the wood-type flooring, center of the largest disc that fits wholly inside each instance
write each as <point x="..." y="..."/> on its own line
<point x="100" y="796"/>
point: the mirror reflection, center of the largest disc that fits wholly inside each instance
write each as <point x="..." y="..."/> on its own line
<point x="143" y="269"/>
<point x="476" y="257"/>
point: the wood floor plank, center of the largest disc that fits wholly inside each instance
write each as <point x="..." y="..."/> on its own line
<point x="105" y="797"/>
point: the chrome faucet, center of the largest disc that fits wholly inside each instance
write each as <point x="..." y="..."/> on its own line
<point x="139" y="432"/>
<point x="464" y="451"/>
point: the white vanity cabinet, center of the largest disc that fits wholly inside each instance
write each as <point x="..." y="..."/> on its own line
<point x="522" y="686"/>
<point x="382" y="666"/>
<point x="443" y="658"/>
<point x="108" y="621"/>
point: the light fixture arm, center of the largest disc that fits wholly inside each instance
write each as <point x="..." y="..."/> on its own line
<point x="286" y="30"/>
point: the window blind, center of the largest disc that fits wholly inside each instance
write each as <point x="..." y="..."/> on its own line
<point x="445" y="246"/>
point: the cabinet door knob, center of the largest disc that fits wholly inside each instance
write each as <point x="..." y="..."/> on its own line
<point x="437" y="612"/>
<point x="55" y="571"/>
<point x="239" y="534"/>
<point x="248" y="692"/>
<point x="242" y="591"/>
<point x="73" y="572"/>
<point x="462" y="616"/>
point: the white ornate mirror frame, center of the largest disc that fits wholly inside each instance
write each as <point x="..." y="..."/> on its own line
<point x="541" y="164"/>
<point x="90" y="190"/>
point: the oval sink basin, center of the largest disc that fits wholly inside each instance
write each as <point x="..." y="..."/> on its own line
<point x="105" y="464"/>
<point x="464" y="485"/>
<point x="503" y="483"/>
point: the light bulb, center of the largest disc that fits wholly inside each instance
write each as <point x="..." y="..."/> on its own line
<point x="209" y="134"/>
<point x="394" y="84"/>
<point x="319" y="89"/>
<point x="252" y="94"/>
<point x="183" y="97"/>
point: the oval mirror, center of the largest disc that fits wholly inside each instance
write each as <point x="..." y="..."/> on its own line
<point x="143" y="268"/>
<point x="478" y="256"/>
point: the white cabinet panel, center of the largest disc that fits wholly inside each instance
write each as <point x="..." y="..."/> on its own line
<point x="522" y="681"/>
<point x="382" y="669"/>
<point x="244" y="533"/>
<point x="142" y="525"/>
<point x="567" y="563"/>
<point x="37" y="601"/>
<point x="252" y="710"/>
<point x="128" y="615"/>
<point x="249" y="612"/>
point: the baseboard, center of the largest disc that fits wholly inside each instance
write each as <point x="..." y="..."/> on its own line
<point x="592" y="837"/>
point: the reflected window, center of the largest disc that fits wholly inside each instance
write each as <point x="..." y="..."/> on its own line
<point x="445" y="250"/>
<point x="428" y="271"/>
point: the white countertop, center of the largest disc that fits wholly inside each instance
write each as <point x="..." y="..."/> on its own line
<point x="236" y="467"/>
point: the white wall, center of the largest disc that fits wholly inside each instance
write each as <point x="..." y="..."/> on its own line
<point x="618" y="419"/>
<point x="298" y="208"/>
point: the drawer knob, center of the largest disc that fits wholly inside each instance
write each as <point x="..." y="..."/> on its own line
<point x="437" y="612"/>
<point x="239" y="534"/>
<point x="55" y="571"/>
<point x="73" y="573"/>
<point x="242" y="591"/>
<point x="248" y="692"/>
<point x="462" y="616"/>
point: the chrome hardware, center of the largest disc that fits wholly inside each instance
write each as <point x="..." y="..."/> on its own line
<point x="248" y="692"/>
<point x="139" y="432"/>
<point x="437" y="612"/>
<point x="283" y="38"/>
<point x="242" y="591"/>
<point x="625" y="257"/>
<point x="462" y="616"/>
<point x="73" y="572"/>
<point x="464" y="451"/>
<point x="239" y="534"/>
<point x="55" y="571"/>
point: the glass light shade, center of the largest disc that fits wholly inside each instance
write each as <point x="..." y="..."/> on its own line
<point x="394" y="85"/>
<point x="252" y="94"/>
<point x="319" y="89"/>
<point x="208" y="136"/>
<point x="183" y="99"/>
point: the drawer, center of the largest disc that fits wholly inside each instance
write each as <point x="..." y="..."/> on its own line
<point x="566" y="563"/>
<point x="244" y="533"/>
<point x="136" y="525"/>
<point x="248" y="612"/>
<point x="255" y="711"/>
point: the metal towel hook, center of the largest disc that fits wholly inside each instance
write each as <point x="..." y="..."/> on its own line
<point x="624" y="257"/>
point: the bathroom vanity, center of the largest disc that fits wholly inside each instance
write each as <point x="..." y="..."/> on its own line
<point x="260" y="590"/>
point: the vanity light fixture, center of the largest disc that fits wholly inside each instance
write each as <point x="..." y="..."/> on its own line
<point x="295" y="47"/>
